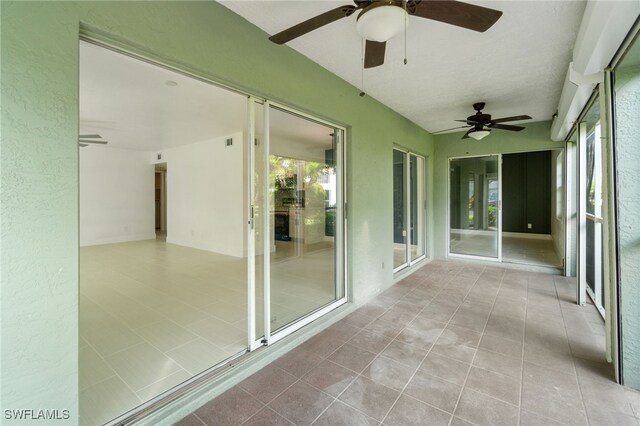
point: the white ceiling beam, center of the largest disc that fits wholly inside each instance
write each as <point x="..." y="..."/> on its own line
<point x="604" y="27"/>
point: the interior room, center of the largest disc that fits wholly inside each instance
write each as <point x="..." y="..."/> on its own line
<point x="163" y="249"/>
<point x="533" y="211"/>
<point x="267" y="212"/>
<point x="162" y="255"/>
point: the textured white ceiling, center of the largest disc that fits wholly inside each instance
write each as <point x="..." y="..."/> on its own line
<point x="128" y="102"/>
<point x="517" y="67"/>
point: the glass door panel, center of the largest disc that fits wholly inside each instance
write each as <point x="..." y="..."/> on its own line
<point x="417" y="207"/>
<point x="593" y="214"/>
<point x="303" y="211"/>
<point x="474" y="205"/>
<point x="259" y="221"/>
<point x="399" y="212"/>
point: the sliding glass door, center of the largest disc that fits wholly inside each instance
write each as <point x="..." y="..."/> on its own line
<point x="297" y="220"/>
<point x="592" y="214"/>
<point x="475" y="207"/>
<point x="409" y="209"/>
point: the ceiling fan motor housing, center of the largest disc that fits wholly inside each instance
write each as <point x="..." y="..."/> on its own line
<point x="479" y="118"/>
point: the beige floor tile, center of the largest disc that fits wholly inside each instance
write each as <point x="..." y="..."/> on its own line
<point x="217" y="331"/>
<point x="105" y="401"/>
<point x="103" y="331"/>
<point x="226" y="311"/>
<point x="197" y="355"/>
<point x="163" y="385"/>
<point x="141" y="365"/>
<point x="93" y="369"/>
<point x="165" y="335"/>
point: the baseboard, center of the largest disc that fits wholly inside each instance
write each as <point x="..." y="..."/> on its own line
<point x="118" y="239"/>
<point x="527" y="235"/>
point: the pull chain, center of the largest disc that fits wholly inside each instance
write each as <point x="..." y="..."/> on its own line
<point x="406" y="17"/>
<point x="362" y="93"/>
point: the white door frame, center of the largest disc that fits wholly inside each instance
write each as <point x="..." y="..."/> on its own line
<point x="498" y="203"/>
<point x="406" y="204"/>
<point x="270" y="336"/>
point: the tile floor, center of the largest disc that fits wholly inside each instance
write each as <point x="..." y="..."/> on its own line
<point x="153" y="315"/>
<point x="529" y="251"/>
<point x="453" y="344"/>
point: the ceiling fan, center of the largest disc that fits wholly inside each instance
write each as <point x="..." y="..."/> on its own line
<point x="85" y="140"/>
<point x="482" y="124"/>
<point x="380" y="20"/>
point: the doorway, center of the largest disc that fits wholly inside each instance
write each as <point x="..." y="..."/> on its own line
<point x="409" y="209"/>
<point x="533" y="208"/>
<point x="475" y="199"/>
<point x="160" y="198"/>
<point x="508" y="208"/>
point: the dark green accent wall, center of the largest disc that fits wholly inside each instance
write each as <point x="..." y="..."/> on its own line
<point x="526" y="192"/>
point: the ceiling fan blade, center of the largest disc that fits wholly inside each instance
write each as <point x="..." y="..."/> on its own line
<point x="90" y="136"/>
<point x="92" y="141"/>
<point x="466" y="135"/>
<point x="456" y="13"/>
<point x="505" y="127"/>
<point x="514" y="118"/>
<point x="470" y="121"/>
<point x="453" y="128"/>
<point x="312" y="24"/>
<point x="374" y="53"/>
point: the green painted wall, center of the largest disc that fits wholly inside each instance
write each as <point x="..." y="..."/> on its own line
<point x="628" y="179"/>
<point x="534" y="138"/>
<point x="39" y="163"/>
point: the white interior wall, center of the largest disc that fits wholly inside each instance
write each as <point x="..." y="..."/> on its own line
<point x="557" y="202"/>
<point x="206" y="195"/>
<point x="116" y="195"/>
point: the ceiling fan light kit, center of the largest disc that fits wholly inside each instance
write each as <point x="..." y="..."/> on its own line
<point x="481" y="124"/>
<point x="479" y="134"/>
<point x="382" y="23"/>
<point x="381" y="20"/>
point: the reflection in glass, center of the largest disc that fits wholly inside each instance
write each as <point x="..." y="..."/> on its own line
<point x="303" y="200"/>
<point x="474" y="189"/>
<point x="399" y="215"/>
<point x="417" y="203"/>
<point x="593" y="195"/>
<point x="591" y="173"/>
<point x="257" y="202"/>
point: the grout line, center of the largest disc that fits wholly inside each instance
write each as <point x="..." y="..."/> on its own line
<point x="358" y="375"/>
<point x="575" y="370"/>
<point x="431" y="347"/>
<point x="524" y="338"/>
<point x="198" y="417"/>
<point x="476" y="352"/>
